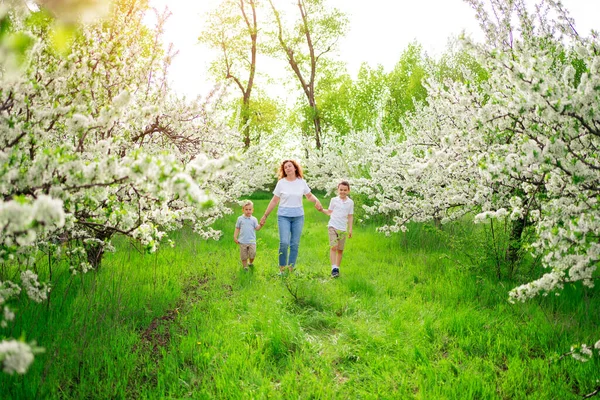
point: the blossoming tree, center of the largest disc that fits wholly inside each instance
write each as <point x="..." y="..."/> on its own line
<point x="93" y="144"/>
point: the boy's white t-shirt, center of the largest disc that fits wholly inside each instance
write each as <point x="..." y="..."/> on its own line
<point x="341" y="209"/>
<point x="290" y="193"/>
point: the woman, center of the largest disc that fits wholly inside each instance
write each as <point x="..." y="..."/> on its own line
<point x="290" y="214"/>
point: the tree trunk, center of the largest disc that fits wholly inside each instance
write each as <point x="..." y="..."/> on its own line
<point x="95" y="251"/>
<point x="245" y="122"/>
<point x="514" y="241"/>
<point x="317" y="124"/>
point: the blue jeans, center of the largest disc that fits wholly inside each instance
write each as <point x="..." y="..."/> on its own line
<point x="290" y="229"/>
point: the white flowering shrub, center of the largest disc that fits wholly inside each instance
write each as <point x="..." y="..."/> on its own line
<point x="17" y="356"/>
<point x="344" y="157"/>
<point x="585" y="353"/>
<point x="543" y="101"/>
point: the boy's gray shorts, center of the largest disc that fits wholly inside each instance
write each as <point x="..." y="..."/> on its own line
<point x="336" y="238"/>
<point x="247" y="251"/>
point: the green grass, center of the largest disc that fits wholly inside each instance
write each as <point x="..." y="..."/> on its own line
<point x="409" y="317"/>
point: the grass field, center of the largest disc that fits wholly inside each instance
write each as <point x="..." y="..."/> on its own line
<point x="409" y="317"/>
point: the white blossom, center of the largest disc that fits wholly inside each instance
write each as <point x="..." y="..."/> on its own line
<point x="36" y="291"/>
<point x="15" y="356"/>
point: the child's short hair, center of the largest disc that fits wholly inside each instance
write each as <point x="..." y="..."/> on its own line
<point x="247" y="203"/>
<point x="344" y="183"/>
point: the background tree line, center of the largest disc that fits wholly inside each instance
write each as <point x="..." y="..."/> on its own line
<point x="251" y="36"/>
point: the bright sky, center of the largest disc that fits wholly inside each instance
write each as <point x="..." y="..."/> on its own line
<point x="380" y="30"/>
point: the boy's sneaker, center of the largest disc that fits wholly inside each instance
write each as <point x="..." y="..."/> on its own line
<point x="335" y="272"/>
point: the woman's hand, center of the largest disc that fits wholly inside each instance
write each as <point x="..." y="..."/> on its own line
<point x="263" y="219"/>
<point x="318" y="206"/>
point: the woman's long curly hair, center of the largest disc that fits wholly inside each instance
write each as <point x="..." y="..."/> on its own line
<point x="296" y="166"/>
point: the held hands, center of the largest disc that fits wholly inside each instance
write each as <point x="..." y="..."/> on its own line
<point x="263" y="220"/>
<point x="318" y="206"/>
<point x="236" y="241"/>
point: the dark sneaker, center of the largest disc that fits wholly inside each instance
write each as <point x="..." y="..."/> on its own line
<point x="250" y="265"/>
<point x="335" y="272"/>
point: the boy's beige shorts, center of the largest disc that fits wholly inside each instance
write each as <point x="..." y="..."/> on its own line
<point x="247" y="251"/>
<point x="336" y="238"/>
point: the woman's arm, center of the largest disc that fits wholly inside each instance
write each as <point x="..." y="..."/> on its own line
<point x="311" y="197"/>
<point x="274" y="201"/>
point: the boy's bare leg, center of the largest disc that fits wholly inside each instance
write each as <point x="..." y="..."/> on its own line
<point x="333" y="255"/>
<point x="245" y="264"/>
<point x="339" y="255"/>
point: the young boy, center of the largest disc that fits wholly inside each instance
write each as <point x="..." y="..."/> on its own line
<point x="246" y="227"/>
<point x="341" y="212"/>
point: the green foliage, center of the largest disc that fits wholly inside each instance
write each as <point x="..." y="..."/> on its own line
<point x="228" y="33"/>
<point x="13" y="42"/>
<point x="352" y="106"/>
<point x="455" y="61"/>
<point x="263" y="115"/>
<point x="405" y="84"/>
<point x="62" y="37"/>
<point x="370" y="93"/>
<point x="378" y="101"/>
<point x="335" y="98"/>
<point x="375" y="100"/>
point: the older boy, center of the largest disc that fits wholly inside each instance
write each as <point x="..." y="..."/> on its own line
<point x="341" y="216"/>
<point x="245" y="234"/>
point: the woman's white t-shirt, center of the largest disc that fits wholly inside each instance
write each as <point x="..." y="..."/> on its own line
<point x="290" y="194"/>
